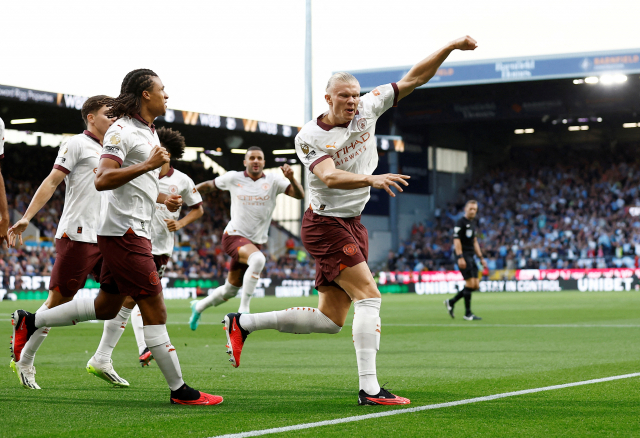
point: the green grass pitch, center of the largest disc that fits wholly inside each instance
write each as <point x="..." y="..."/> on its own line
<point x="525" y="341"/>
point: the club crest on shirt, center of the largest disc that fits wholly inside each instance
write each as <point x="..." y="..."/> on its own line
<point x="265" y="186"/>
<point x="469" y="233"/>
<point x="362" y="124"/>
<point x="173" y="189"/>
<point x="115" y="139"/>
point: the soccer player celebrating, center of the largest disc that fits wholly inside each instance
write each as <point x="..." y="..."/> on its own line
<point x="166" y="222"/>
<point x="4" y="206"/>
<point x="465" y="245"/>
<point x="253" y="199"/>
<point x="128" y="177"/>
<point x="77" y="253"/>
<point x="339" y="151"/>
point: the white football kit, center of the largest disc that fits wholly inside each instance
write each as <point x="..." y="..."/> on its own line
<point x="351" y="147"/>
<point x="252" y="203"/>
<point x="173" y="183"/>
<point x="129" y="141"/>
<point x="78" y="158"/>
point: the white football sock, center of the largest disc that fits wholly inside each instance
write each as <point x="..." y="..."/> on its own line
<point x="220" y="295"/>
<point x="164" y="353"/>
<point x="138" y="331"/>
<point x="256" y="263"/>
<point x="366" y="339"/>
<point x="71" y="313"/>
<point x="113" y="330"/>
<point x="35" y="341"/>
<point x="299" y="320"/>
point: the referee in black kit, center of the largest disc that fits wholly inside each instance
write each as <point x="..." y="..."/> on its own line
<point x="465" y="246"/>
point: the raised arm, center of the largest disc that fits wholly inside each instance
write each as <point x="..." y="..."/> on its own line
<point x="110" y="175"/>
<point x="42" y="196"/>
<point x="206" y="187"/>
<point x="427" y="68"/>
<point x="295" y="190"/>
<point x="340" y="179"/>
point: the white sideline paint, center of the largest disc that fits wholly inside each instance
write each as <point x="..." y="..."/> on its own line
<point x="420" y="408"/>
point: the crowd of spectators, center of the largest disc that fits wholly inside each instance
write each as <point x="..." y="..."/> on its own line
<point x="200" y="253"/>
<point x="550" y="212"/>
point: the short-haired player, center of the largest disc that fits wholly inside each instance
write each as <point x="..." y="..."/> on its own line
<point x="340" y="154"/>
<point x="77" y="252"/>
<point x="253" y="199"/>
<point x="127" y="176"/>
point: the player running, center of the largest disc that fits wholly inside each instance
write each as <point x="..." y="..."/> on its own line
<point x="466" y="244"/>
<point x="165" y="222"/>
<point x="253" y="199"/>
<point x="127" y="176"/>
<point x="77" y="253"/>
<point x="4" y="206"/>
<point x="339" y="151"/>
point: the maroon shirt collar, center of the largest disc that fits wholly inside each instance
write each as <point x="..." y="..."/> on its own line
<point x="328" y="127"/>
<point x="91" y="136"/>
<point x="249" y="176"/>
<point x="139" y="118"/>
<point x="169" y="173"/>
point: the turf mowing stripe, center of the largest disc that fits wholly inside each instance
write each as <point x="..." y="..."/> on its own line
<point x="472" y="325"/>
<point x="420" y="408"/>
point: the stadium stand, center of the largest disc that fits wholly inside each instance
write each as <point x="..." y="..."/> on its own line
<point x="563" y="209"/>
<point x="200" y="255"/>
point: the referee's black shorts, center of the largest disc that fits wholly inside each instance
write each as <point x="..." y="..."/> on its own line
<point x="471" y="271"/>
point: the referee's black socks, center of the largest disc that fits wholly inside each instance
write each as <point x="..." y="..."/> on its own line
<point x="466" y="294"/>
<point x="467" y="300"/>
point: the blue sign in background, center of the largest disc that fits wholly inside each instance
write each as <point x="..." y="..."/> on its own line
<point x="513" y="70"/>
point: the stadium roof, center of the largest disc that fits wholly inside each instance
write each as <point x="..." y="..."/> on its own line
<point x="530" y="68"/>
<point x="59" y="113"/>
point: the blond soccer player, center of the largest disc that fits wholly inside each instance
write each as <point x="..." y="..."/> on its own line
<point x="339" y="152"/>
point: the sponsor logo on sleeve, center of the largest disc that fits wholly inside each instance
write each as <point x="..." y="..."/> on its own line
<point x="322" y="207"/>
<point x="311" y="155"/>
<point x="111" y="150"/>
<point x="305" y="148"/>
<point x="62" y="159"/>
<point x="79" y="230"/>
<point x="115" y="139"/>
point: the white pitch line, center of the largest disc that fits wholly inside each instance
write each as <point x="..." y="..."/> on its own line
<point x="519" y="325"/>
<point x="420" y="408"/>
